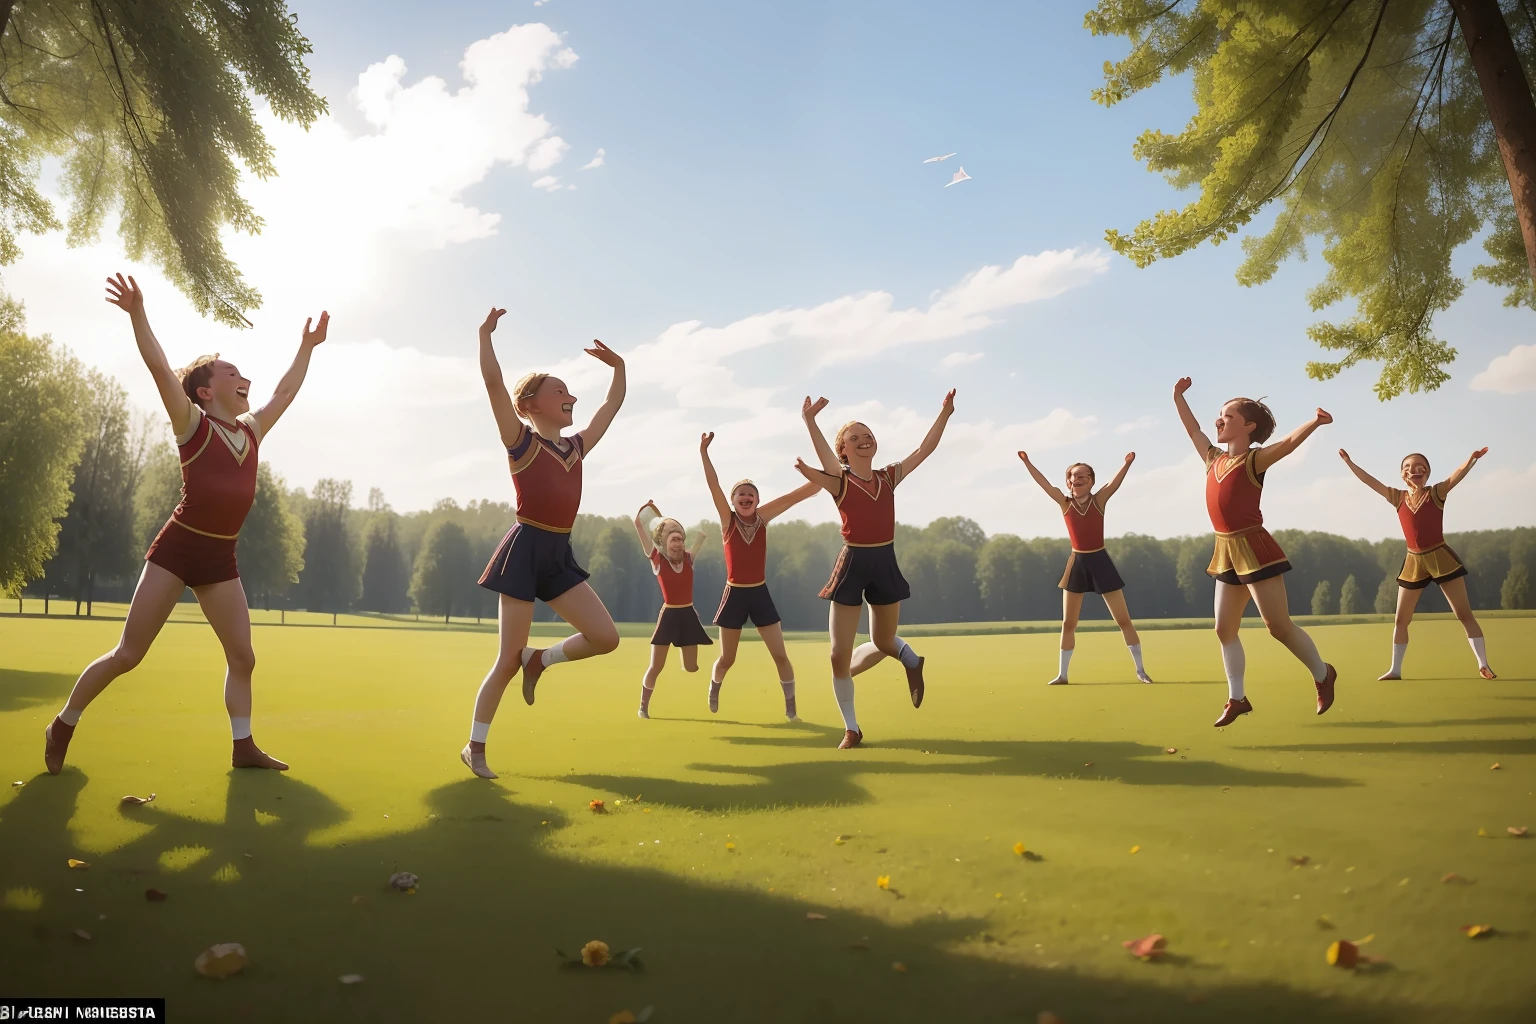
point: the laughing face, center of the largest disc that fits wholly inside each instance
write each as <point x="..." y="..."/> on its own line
<point x="744" y="501"/>
<point x="552" y="403"/>
<point x="226" y="389"/>
<point x="1231" y="426"/>
<point x="1415" y="470"/>
<point x="857" y="442"/>
<point x="1080" y="480"/>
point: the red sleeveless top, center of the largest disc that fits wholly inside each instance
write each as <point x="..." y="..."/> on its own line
<point x="868" y="507"/>
<point x="218" y="476"/>
<point x="1233" y="490"/>
<point x="1423" y="524"/>
<point x="676" y="584"/>
<point x="1085" y="525"/>
<point x="746" y="553"/>
<point x="547" y="478"/>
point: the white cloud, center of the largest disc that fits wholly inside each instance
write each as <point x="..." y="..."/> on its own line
<point x="1138" y="424"/>
<point x="960" y="358"/>
<point x="1510" y="374"/>
<point x="549" y="183"/>
<point x="596" y="162"/>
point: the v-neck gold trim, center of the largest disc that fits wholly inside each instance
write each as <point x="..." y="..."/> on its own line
<point x="1224" y="470"/>
<point x="227" y="436"/>
<point x="858" y="482"/>
<point x="1428" y="495"/>
<point x="741" y="530"/>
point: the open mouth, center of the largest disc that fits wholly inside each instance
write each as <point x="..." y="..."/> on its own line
<point x="243" y="392"/>
<point x="568" y="407"/>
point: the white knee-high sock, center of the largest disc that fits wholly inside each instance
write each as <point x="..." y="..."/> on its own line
<point x="1303" y="647"/>
<point x="906" y="655"/>
<point x="1398" y="651"/>
<point x="556" y="654"/>
<point x="240" y="728"/>
<point x="842" y="689"/>
<point x="1236" y="663"/>
<point x="1135" y="650"/>
<point x="1062" y="663"/>
<point x="478" y="731"/>
<point x="1479" y="648"/>
<point x="69" y="716"/>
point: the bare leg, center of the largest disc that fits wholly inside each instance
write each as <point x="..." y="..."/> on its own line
<point x="843" y="628"/>
<point x="225" y="608"/>
<point x="1407" y="602"/>
<point x="773" y="639"/>
<point x="1269" y="595"/>
<point x="730" y="639"/>
<point x="1071" y="610"/>
<point x="652" y="673"/>
<point x="691" y="658"/>
<point x="513" y="619"/>
<point x="1115" y="602"/>
<point x="1231" y="602"/>
<point x="595" y="634"/>
<point x="1455" y="593"/>
<point x="153" y="599"/>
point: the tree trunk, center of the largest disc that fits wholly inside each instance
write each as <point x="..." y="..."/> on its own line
<point x="46" y="592"/>
<point x="1511" y="107"/>
<point x="90" y="594"/>
<point x="333" y="618"/>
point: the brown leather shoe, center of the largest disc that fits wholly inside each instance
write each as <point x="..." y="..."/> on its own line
<point x="531" y="673"/>
<point x="248" y="755"/>
<point x="56" y="744"/>
<point x="851" y="739"/>
<point x="1325" y="690"/>
<point x="474" y="760"/>
<point x="1233" y="709"/>
<point x="1486" y="673"/>
<point x="915" y="683"/>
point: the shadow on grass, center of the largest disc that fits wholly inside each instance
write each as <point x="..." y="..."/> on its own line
<point x="1522" y="745"/>
<point x="20" y="690"/>
<point x="833" y="779"/>
<point x="1443" y="723"/>
<point x="493" y="902"/>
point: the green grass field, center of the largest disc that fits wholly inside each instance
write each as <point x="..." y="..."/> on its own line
<point x="1385" y="795"/>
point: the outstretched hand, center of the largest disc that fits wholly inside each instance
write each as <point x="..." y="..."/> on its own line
<point x="949" y="403"/>
<point x="1182" y="385"/>
<point x="603" y="354"/>
<point x="704" y="440"/>
<point x="125" y="294"/>
<point x="1130" y="457"/>
<point x="1344" y="455"/>
<point x="1480" y="453"/>
<point x="316" y="336"/>
<point x="810" y="409"/>
<point x="490" y="320"/>
<point x="1024" y="457"/>
<point x="1324" y="417"/>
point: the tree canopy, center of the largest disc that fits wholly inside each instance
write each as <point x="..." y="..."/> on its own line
<point x="148" y="103"/>
<point x="1392" y="130"/>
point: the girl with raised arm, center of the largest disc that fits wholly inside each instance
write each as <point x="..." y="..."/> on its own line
<point x="1089" y="568"/>
<point x="668" y="547"/>
<point x="1421" y="513"/>
<point x="534" y="559"/>
<point x="1247" y="562"/>
<point x="866" y="570"/>
<point x="744" y="535"/>
<point x="218" y="436"/>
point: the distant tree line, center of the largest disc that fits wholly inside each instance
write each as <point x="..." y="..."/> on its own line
<point x="84" y="487"/>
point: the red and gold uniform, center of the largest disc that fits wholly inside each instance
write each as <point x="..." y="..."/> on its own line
<point x="1245" y="552"/>
<point x="218" y="485"/>
<point x="866" y="568"/>
<point x="534" y="559"/>
<point x="1089" y="567"/>
<point x="746" y="596"/>
<point x="1429" y="559"/>
<point x="678" y="624"/>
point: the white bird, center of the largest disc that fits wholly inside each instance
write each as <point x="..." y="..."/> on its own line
<point x="960" y="176"/>
<point x="936" y="159"/>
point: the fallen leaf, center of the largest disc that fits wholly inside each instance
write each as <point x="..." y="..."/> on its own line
<point x="1325" y="922"/>
<point x="623" y="1017"/>
<point x="350" y="979"/>
<point x="730" y="847"/>
<point x="596" y="807"/>
<point x="81" y="933"/>
<point x="1451" y="876"/>
<point x="1136" y="848"/>
<point x="221" y="961"/>
<point x="1519" y="831"/>
<point x="1495" y="766"/>
<point x="1087" y="764"/>
<point x="1047" y="1017"/>
<point x="1343" y="953"/>
<point x="1148" y="948"/>
<point x="1478" y="931"/>
<point x="811" y="915"/>
<point x="155" y="895"/>
<point x="404" y="881"/>
<point x="883" y="882"/>
<point x="79" y="865"/>
<point x="899" y="967"/>
<point x="1301" y="861"/>
<point x="1171" y="750"/>
<point x="1482" y="833"/>
<point x="137" y="800"/>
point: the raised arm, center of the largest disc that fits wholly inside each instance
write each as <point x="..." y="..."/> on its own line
<point x="722" y="503"/>
<point x="824" y="453"/>
<point x="826" y="481"/>
<point x="641" y="529"/>
<point x="1052" y="491"/>
<point x="288" y="387"/>
<point x="778" y="506"/>
<point x="696" y="541"/>
<point x="1273" y="453"/>
<point x="1197" y="436"/>
<point x="508" y="425"/>
<point x="124" y="293"/>
<point x="1108" y="490"/>
<point x="1461" y="472"/>
<point x="1366" y="478"/>
<point x="931" y="439"/>
<point x="609" y="409"/>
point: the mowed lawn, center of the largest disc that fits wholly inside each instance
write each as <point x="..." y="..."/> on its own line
<point x="724" y="831"/>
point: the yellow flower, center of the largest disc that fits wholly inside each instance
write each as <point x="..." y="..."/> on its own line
<point x="730" y="847"/>
<point x="1136" y="849"/>
<point x="1018" y="848"/>
<point x="594" y="953"/>
<point x="884" y="881"/>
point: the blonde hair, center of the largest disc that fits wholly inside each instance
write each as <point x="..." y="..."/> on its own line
<point x="664" y="526"/>
<point x="744" y="482"/>
<point x="197" y="374"/>
<point x="1092" y="476"/>
<point x="841" y="436"/>
<point x="527" y="386"/>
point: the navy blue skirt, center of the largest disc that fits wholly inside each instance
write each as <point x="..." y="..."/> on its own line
<point x="738" y="605"/>
<point x="866" y="574"/>
<point x="533" y="563"/>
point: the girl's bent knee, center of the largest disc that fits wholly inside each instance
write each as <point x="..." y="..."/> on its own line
<point x="125" y="658"/>
<point x="604" y="641"/>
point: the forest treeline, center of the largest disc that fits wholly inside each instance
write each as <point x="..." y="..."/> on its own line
<point x="322" y="549"/>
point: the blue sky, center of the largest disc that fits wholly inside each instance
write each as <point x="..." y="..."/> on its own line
<point x="761" y="180"/>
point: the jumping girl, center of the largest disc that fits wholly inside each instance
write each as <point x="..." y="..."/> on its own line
<point x="1421" y="512"/>
<point x="534" y="559"/>
<point x="218" y="437"/>
<point x="1247" y="561"/>
<point x="1089" y="568"/>
<point x="866" y="569"/>
<point x="666" y="544"/>
<point x="744" y="534"/>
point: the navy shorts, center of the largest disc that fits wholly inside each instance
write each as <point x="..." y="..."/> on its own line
<point x="1091" y="572"/>
<point x="740" y="604"/>
<point x="533" y="563"/>
<point x="866" y="574"/>
<point x="680" y="627"/>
